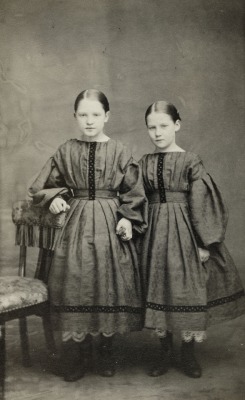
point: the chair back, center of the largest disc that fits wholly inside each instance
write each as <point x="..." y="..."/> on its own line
<point x="36" y="227"/>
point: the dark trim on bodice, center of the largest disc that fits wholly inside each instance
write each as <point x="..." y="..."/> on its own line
<point x="91" y="171"/>
<point x="160" y="179"/>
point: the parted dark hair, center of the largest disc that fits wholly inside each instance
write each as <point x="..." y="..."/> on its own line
<point x="164" y="107"/>
<point x="92" y="94"/>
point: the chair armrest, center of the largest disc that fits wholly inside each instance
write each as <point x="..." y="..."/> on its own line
<point x="25" y="213"/>
<point x="36" y="226"/>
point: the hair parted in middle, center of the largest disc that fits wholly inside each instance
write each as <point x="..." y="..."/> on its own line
<point x="92" y="94"/>
<point x="164" y="107"/>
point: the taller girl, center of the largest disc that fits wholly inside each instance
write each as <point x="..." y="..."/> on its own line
<point x="191" y="280"/>
<point x="94" y="279"/>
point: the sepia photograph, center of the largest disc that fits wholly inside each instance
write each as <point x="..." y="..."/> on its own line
<point x="122" y="201"/>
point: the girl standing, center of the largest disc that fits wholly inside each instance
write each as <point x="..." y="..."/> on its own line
<point x="190" y="278"/>
<point x="94" y="280"/>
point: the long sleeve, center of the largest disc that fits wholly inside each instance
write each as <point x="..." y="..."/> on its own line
<point x="208" y="212"/>
<point x="132" y="195"/>
<point x="49" y="184"/>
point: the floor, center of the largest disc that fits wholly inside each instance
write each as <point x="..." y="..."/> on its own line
<point x="222" y="358"/>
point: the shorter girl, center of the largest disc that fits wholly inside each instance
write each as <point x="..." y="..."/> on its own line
<point x="94" y="280"/>
<point x="191" y="280"/>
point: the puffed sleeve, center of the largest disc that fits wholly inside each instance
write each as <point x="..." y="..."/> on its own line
<point x="131" y="193"/>
<point x="208" y="211"/>
<point x="49" y="184"/>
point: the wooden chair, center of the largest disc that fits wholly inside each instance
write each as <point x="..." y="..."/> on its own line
<point x="21" y="296"/>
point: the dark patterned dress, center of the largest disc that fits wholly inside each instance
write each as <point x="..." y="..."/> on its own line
<point x="186" y="211"/>
<point x="94" y="280"/>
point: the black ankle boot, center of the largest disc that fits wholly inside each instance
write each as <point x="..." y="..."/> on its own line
<point x="107" y="365"/>
<point x="189" y="363"/>
<point x="163" y="364"/>
<point x="75" y="358"/>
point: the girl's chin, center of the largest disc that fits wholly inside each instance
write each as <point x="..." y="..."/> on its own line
<point x="90" y="133"/>
<point x="160" y="146"/>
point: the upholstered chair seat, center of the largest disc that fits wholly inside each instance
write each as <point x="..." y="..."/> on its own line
<point x="17" y="293"/>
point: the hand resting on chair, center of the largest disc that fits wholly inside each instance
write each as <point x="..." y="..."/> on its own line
<point x="58" y="205"/>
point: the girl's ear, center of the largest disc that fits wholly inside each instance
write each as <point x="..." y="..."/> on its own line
<point x="177" y="125"/>
<point x="107" y="116"/>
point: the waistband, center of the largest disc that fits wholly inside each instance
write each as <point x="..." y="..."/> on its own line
<point x="171" y="197"/>
<point x="99" y="193"/>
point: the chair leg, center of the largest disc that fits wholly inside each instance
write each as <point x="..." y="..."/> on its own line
<point x="2" y="358"/>
<point x="26" y="360"/>
<point x="48" y="332"/>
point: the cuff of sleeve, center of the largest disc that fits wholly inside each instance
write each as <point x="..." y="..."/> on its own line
<point x="44" y="197"/>
<point x="138" y="224"/>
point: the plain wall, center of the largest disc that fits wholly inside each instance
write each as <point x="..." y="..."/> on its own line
<point x="190" y="52"/>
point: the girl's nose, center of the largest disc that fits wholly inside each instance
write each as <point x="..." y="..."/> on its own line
<point x="89" y="120"/>
<point x="157" y="132"/>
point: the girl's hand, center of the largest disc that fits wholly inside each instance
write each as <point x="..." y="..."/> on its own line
<point x="58" y="205"/>
<point x="124" y="229"/>
<point x="203" y="254"/>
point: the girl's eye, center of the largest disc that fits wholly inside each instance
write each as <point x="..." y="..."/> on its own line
<point x="96" y="115"/>
<point x="82" y="115"/>
<point x="164" y="126"/>
<point x="151" y="128"/>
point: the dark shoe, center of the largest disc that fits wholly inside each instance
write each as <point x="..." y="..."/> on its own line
<point x="74" y="367"/>
<point x="189" y="364"/>
<point x="56" y="366"/>
<point x="107" y="365"/>
<point x="75" y="358"/>
<point x="163" y="364"/>
<point x="75" y="374"/>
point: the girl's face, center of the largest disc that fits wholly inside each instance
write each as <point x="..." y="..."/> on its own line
<point x="162" y="129"/>
<point x="91" y="117"/>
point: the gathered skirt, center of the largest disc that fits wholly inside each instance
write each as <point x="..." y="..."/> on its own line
<point x="94" y="281"/>
<point x="181" y="292"/>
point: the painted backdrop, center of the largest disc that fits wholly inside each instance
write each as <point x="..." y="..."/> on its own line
<point x="136" y="51"/>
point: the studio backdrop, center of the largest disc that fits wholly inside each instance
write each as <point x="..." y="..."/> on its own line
<point x="135" y="51"/>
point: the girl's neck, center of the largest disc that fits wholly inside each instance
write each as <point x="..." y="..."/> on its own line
<point x="171" y="149"/>
<point x="100" y="138"/>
